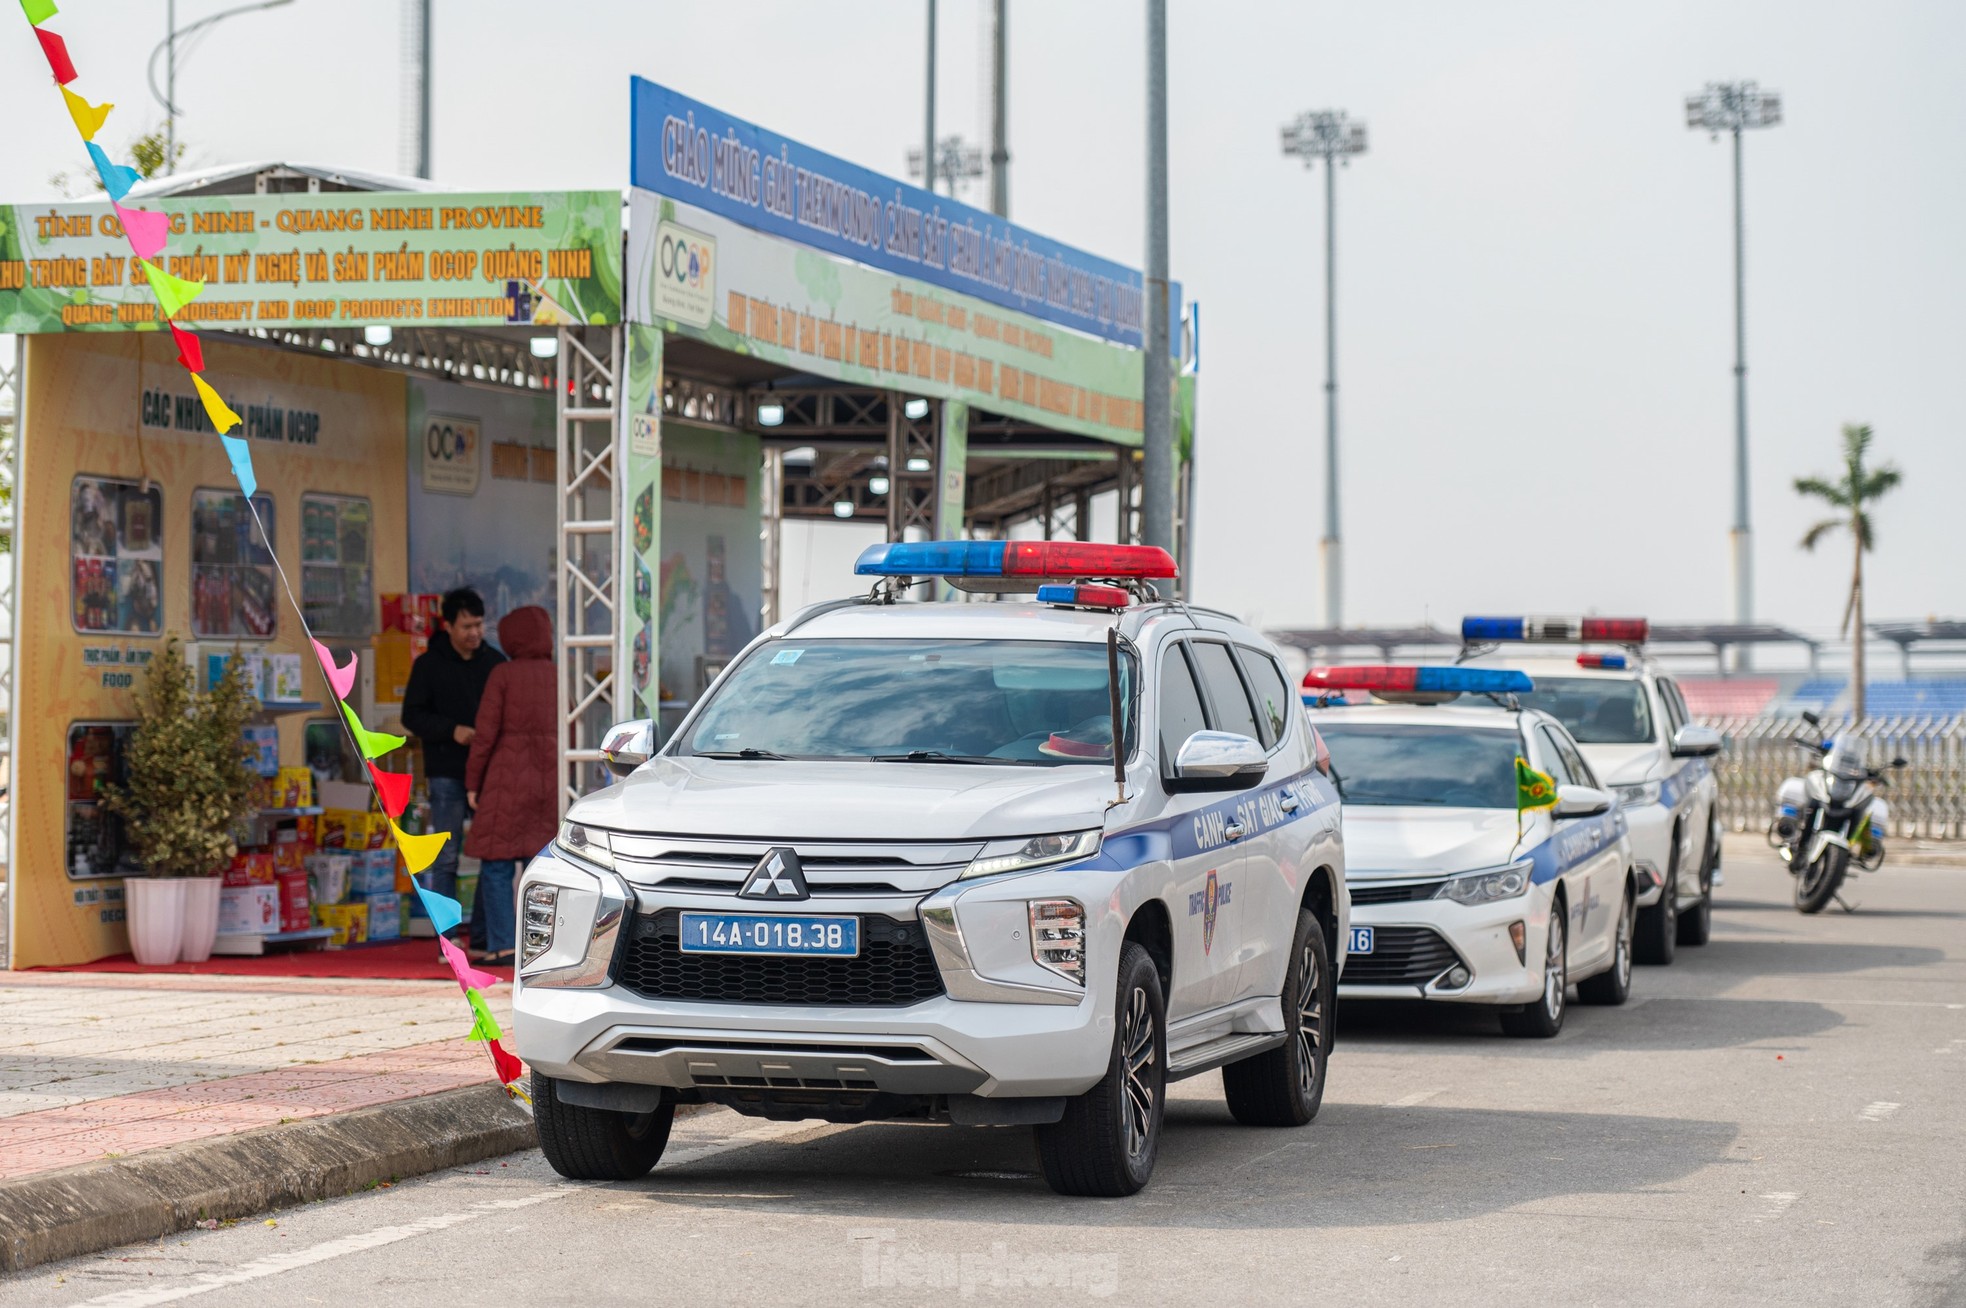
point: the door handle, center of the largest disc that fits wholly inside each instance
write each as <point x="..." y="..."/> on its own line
<point x="1290" y="803"/>
<point x="1234" y="831"/>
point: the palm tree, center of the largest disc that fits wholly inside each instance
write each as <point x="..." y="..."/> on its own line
<point x="1851" y="495"/>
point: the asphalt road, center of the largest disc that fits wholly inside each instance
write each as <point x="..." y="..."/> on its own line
<point x="1775" y="1119"/>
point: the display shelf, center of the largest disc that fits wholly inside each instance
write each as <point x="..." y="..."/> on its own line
<point x="307" y="810"/>
<point x="251" y="942"/>
<point x="291" y="706"/>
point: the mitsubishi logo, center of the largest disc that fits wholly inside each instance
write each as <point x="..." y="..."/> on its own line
<point x="777" y="876"/>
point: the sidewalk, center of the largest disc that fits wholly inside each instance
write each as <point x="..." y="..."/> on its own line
<point x="101" y="1071"/>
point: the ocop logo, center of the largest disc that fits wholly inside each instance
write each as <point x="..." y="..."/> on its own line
<point x="452" y="455"/>
<point x="684" y="283"/>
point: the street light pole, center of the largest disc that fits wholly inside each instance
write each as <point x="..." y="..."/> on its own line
<point x="999" y="115"/>
<point x="168" y="48"/>
<point x="1329" y="135"/>
<point x="928" y="133"/>
<point x="1732" y="107"/>
<point x="1156" y="408"/>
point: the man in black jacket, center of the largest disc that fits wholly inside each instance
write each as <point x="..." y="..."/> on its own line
<point x="440" y="705"/>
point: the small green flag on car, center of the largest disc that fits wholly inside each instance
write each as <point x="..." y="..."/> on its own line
<point x="1533" y="789"/>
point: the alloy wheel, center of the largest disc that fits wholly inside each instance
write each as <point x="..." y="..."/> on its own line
<point x="1310" y="1021"/>
<point x="1137" y="1049"/>
<point x="1554" y="980"/>
<point x="1626" y="921"/>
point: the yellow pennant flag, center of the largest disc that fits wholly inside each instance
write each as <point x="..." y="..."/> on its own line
<point x="419" y="852"/>
<point x="373" y="744"/>
<point x="220" y="413"/>
<point x="88" y="117"/>
<point x="173" y="293"/>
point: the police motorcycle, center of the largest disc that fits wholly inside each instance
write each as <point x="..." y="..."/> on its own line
<point x="1830" y="818"/>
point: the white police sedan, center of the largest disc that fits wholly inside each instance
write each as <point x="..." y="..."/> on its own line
<point x="1631" y="723"/>
<point x="1458" y="893"/>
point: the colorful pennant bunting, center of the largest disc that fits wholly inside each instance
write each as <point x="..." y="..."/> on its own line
<point x="419" y="852"/>
<point x="443" y="911"/>
<point x="216" y="409"/>
<point x="509" y="1067"/>
<point x="468" y="977"/>
<point x="88" y="117"/>
<point x="146" y="229"/>
<point x="373" y="744"/>
<point x="56" y="50"/>
<point x="341" y="679"/>
<point x="191" y="355"/>
<point x="116" y="178"/>
<point x="38" y="11"/>
<point x="485" y="1026"/>
<point x="240" y="455"/>
<point x="392" y="788"/>
<point x="173" y="293"/>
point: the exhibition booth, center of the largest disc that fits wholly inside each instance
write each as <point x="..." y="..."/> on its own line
<point x="499" y="390"/>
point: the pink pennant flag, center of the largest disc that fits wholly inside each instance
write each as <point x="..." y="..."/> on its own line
<point x="341" y="680"/>
<point x="147" y="230"/>
<point x="468" y="977"/>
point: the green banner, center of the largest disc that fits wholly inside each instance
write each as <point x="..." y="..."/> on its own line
<point x="344" y="259"/>
<point x="641" y="543"/>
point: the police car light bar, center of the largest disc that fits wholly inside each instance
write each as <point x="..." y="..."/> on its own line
<point x="1084" y="596"/>
<point x="1610" y="662"/>
<point x="1625" y="631"/>
<point x="1420" y="680"/>
<point x="1023" y="559"/>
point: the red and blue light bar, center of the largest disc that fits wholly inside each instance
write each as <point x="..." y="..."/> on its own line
<point x="1379" y="679"/>
<point x="1609" y="662"/>
<point x="1085" y="596"/>
<point x="1035" y="560"/>
<point x="1625" y="631"/>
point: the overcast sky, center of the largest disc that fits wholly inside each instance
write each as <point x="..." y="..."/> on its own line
<point x="1534" y="258"/>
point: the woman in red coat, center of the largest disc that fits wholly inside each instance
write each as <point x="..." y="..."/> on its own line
<point x="511" y="775"/>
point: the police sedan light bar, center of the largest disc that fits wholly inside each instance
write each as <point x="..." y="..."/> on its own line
<point x="1031" y="560"/>
<point x="1609" y="662"/>
<point x="1083" y="596"/>
<point x="1380" y="679"/>
<point x="1627" y="631"/>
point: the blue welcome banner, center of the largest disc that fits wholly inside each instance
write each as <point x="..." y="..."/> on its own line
<point x="684" y="149"/>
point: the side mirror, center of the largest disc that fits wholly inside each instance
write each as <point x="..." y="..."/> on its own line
<point x="1813" y="719"/>
<point x="1217" y="760"/>
<point x="1581" y="802"/>
<point x="1695" y="741"/>
<point x="628" y="745"/>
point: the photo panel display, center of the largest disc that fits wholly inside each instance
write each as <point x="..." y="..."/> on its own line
<point x="233" y="590"/>
<point x="116" y="551"/>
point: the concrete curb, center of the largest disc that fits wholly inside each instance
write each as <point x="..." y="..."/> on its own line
<point x="79" y="1210"/>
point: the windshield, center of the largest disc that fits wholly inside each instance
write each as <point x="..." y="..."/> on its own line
<point x="1595" y="710"/>
<point x="1002" y="702"/>
<point x="1447" y="767"/>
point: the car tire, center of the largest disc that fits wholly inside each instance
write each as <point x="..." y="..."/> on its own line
<point x="1613" y="986"/>
<point x="1658" y="926"/>
<point x="1696" y="924"/>
<point x="1543" y="1018"/>
<point x="1105" y="1144"/>
<point x="1284" y="1086"/>
<point x="597" y="1144"/>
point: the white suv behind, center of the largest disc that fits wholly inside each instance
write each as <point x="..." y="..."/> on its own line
<point x="888" y="867"/>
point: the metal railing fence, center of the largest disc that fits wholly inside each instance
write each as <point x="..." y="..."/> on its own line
<point x="1927" y="796"/>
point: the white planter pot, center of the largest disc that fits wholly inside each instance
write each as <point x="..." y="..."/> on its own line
<point x="154" y="909"/>
<point x="200" y="919"/>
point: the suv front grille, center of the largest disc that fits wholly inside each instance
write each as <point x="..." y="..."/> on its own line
<point x="893" y="970"/>
<point x="1367" y="892"/>
<point x="1401" y="956"/>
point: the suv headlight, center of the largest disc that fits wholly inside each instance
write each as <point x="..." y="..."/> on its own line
<point x="588" y="844"/>
<point x="1487" y="887"/>
<point x="1637" y="796"/>
<point x="541" y="906"/>
<point x="1022" y="855"/>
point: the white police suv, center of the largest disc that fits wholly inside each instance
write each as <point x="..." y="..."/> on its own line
<point x="1459" y="892"/>
<point x="1631" y="722"/>
<point x="995" y="863"/>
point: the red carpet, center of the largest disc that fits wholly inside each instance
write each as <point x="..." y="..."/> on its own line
<point x="397" y="960"/>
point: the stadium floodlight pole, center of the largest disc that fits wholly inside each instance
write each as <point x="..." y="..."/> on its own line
<point x="1328" y="135"/>
<point x="1734" y="107"/>
<point x="928" y="132"/>
<point x="1156" y="407"/>
<point x="999" y="150"/>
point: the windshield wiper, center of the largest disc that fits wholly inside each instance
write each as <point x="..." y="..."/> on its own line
<point x="747" y="752"/>
<point x="937" y="756"/>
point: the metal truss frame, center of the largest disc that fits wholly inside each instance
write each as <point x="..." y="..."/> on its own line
<point x="588" y="518"/>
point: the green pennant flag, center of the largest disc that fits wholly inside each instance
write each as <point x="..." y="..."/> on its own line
<point x="374" y="744"/>
<point x="1533" y="789"/>
<point x="38" y="11"/>
<point x="173" y="293"/>
<point x="485" y="1027"/>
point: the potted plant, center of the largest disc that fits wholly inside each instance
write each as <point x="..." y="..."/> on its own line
<point x="187" y="788"/>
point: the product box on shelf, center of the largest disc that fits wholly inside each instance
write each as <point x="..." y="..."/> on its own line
<point x="262" y="740"/>
<point x="347" y="828"/>
<point x="372" y="872"/>
<point x="328" y="876"/>
<point x="249" y="867"/>
<point x="280" y="679"/>
<point x="394" y="652"/>
<point x="385" y="916"/>
<point x="294" y="909"/>
<point x="350" y="923"/>
<point x="294" y="787"/>
<point x="248" y="910"/>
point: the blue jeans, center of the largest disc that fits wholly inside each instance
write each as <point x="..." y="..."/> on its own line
<point x="447" y="810"/>
<point x="495" y="903"/>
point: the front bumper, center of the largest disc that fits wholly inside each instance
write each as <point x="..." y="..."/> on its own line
<point x="1479" y="939"/>
<point x="1003" y="1028"/>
